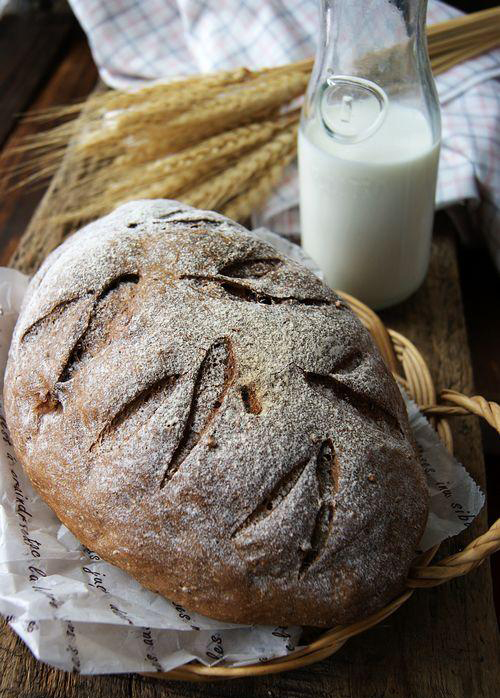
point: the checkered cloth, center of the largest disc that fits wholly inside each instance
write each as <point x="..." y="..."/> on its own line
<point x="141" y="40"/>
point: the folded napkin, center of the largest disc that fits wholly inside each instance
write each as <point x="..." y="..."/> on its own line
<point x="142" y="40"/>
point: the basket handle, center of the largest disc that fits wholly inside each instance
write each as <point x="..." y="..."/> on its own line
<point x="482" y="547"/>
<point x="463" y="405"/>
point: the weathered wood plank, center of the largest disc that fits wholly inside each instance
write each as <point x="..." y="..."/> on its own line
<point x="29" y="50"/>
<point x="480" y="282"/>
<point x="72" y="80"/>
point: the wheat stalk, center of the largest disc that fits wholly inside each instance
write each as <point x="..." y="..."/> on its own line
<point x="218" y="190"/>
<point x="253" y="101"/>
<point x="242" y="206"/>
<point x="194" y="163"/>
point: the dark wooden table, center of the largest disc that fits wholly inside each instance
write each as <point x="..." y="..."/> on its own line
<point x="443" y="643"/>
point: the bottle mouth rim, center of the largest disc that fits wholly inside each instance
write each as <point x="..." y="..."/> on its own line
<point x="362" y="88"/>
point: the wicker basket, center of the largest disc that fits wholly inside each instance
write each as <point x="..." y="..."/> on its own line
<point x="410" y="370"/>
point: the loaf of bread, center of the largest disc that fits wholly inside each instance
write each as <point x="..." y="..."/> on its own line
<point x="206" y="414"/>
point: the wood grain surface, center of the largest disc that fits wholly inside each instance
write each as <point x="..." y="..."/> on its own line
<point x="72" y="78"/>
<point x="442" y="644"/>
<point x="37" y="43"/>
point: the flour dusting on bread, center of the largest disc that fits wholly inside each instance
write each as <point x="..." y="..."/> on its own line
<point x="203" y="412"/>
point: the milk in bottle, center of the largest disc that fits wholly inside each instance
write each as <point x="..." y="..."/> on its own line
<point x="369" y="148"/>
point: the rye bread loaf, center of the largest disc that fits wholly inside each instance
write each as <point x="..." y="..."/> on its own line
<point x="206" y="414"/>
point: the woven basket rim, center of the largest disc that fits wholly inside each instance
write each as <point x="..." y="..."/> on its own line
<point x="411" y="371"/>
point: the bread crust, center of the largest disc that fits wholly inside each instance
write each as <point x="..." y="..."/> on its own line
<point x="205" y="414"/>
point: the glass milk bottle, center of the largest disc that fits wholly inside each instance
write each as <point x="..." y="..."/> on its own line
<point x="368" y="149"/>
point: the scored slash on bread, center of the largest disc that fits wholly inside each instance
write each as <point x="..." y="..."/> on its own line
<point x="212" y="381"/>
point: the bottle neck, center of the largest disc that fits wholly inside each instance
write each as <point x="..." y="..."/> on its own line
<point x="411" y="12"/>
<point x="381" y="40"/>
<point x="372" y="57"/>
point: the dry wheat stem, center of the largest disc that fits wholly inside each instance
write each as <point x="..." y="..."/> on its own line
<point x="444" y="63"/>
<point x="242" y="206"/>
<point x="146" y="101"/>
<point x="116" y="99"/>
<point x="96" y="107"/>
<point x="479" y="42"/>
<point x="209" y="117"/>
<point x="439" y="43"/>
<point x="218" y="188"/>
<point x="464" y="23"/>
<point x="160" y="106"/>
<point x="55" y="137"/>
<point x="122" y="100"/>
<point x="216" y="191"/>
<point x="117" y="180"/>
<point x="175" y="183"/>
<point x="201" y="158"/>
